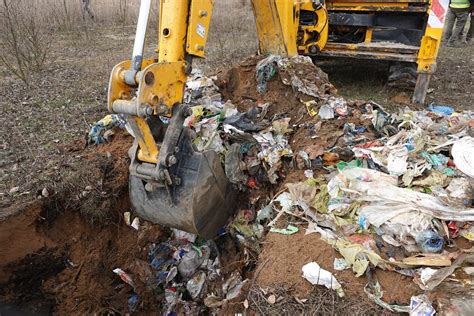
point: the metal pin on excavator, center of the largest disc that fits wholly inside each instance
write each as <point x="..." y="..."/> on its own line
<point x="170" y="182"/>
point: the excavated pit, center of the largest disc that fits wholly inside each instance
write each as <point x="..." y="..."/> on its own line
<point x="59" y="251"/>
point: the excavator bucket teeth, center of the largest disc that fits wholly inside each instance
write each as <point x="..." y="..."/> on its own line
<point x="200" y="204"/>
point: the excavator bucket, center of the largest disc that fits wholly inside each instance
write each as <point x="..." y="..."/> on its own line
<point x="201" y="203"/>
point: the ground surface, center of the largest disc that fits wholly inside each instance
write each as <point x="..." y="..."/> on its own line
<point x="450" y="85"/>
<point x="59" y="251"/>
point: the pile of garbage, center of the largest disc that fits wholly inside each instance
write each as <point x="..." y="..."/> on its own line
<point x="102" y="131"/>
<point x="254" y="144"/>
<point x="391" y="191"/>
<point x="184" y="273"/>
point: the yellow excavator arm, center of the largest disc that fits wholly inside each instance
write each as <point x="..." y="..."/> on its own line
<point x="182" y="35"/>
<point x="170" y="183"/>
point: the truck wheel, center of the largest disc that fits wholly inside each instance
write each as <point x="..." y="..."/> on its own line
<point x="402" y="75"/>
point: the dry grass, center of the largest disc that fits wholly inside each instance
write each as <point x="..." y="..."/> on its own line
<point x="232" y="34"/>
<point x="320" y="301"/>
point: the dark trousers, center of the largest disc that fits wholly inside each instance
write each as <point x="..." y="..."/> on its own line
<point x="471" y="27"/>
<point x="455" y="23"/>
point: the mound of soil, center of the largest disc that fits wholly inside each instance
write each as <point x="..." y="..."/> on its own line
<point x="239" y="85"/>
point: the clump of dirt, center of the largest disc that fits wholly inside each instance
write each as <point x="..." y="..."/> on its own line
<point x="97" y="179"/>
<point x="239" y="84"/>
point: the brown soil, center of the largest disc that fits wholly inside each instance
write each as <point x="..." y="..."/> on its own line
<point x="239" y="85"/>
<point x="58" y="256"/>
<point x="283" y="257"/>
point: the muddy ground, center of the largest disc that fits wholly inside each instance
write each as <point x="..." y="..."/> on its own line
<point x="57" y="252"/>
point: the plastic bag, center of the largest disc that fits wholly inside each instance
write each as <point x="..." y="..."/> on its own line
<point x="317" y="276"/>
<point x="463" y="155"/>
<point x="421" y="306"/>
<point x="430" y="242"/>
<point x="195" y="285"/>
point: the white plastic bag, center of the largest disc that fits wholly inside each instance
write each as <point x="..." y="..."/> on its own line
<point x="317" y="276"/>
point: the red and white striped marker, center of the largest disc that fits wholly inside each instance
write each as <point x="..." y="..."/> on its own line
<point x="439" y="9"/>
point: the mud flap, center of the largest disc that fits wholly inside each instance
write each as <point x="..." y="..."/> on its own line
<point x="201" y="203"/>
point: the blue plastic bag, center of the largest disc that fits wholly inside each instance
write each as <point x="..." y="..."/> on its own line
<point x="441" y="109"/>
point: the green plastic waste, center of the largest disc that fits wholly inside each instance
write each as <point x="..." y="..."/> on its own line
<point x="289" y="230"/>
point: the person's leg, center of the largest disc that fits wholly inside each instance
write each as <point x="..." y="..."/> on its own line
<point x="87" y="9"/>
<point x="461" y="20"/>
<point x="448" y="27"/>
<point x="471" y="27"/>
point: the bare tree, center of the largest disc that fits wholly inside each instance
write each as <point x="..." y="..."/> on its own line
<point x="86" y="8"/>
<point x="66" y="13"/>
<point x="123" y="11"/>
<point x="23" y="40"/>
